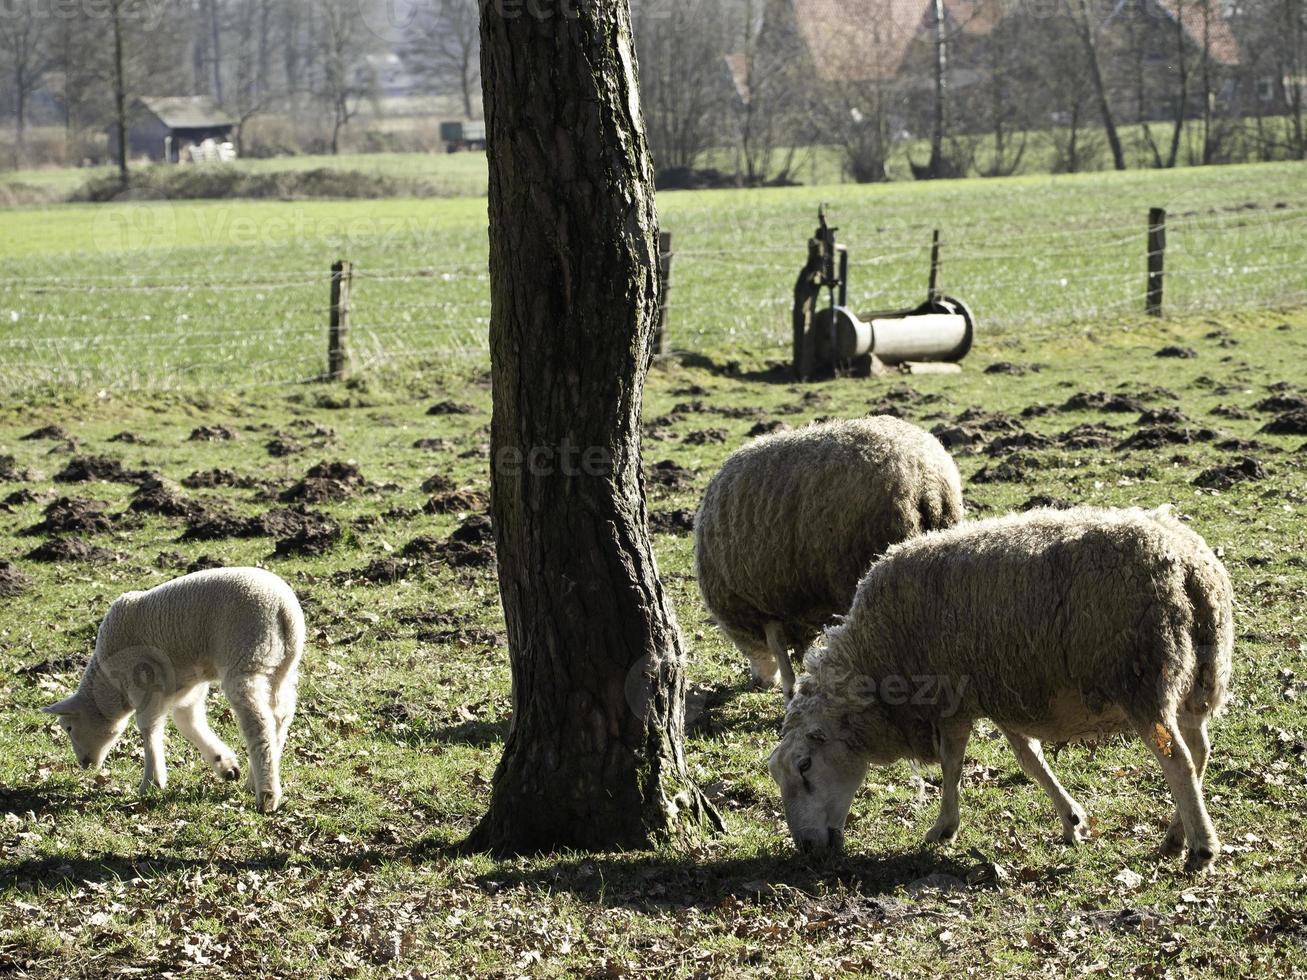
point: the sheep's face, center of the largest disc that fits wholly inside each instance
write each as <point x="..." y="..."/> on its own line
<point x="91" y="733"/>
<point x="818" y="776"/>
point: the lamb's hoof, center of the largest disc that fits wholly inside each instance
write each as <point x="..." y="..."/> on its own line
<point x="1199" y="860"/>
<point x="269" y="801"/>
<point x="1173" y="844"/>
<point x="231" y="773"/>
<point x="1076" y="828"/>
<point x="149" y="786"/>
<point x="942" y="833"/>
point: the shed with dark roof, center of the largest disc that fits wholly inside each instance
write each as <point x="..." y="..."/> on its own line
<point x="159" y="127"/>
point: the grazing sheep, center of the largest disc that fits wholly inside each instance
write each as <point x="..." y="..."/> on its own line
<point x="158" y="652"/>
<point x="1056" y="625"/>
<point x="790" y="524"/>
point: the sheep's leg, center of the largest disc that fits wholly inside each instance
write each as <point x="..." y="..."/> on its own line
<point x="283" y="710"/>
<point x="762" y="665"/>
<point x="151" y="722"/>
<point x="1167" y="744"/>
<point x="191" y="719"/>
<point x="1195" y="738"/>
<point x="249" y="699"/>
<point x="951" y="745"/>
<point x="781" y="651"/>
<point x="1030" y="754"/>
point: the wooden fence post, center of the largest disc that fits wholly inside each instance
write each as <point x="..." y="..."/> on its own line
<point x="665" y="288"/>
<point x="1156" y="260"/>
<point x="338" y="326"/>
<point x="932" y="288"/>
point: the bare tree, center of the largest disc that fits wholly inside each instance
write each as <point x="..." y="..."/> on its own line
<point x="445" y="48"/>
<point x="27" y="52"/>
<point x="1086" y="25"/>
<point x="346" y="78"/>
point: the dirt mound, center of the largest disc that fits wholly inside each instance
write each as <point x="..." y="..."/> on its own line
<point x="737" y="411"/>
<point x="205" y="479"/>
<point x="1017" y="468"/>
<point x="957" y="438"/>
<point x="326" y="482"/>
<point x="678" y="521"/>
<point x="283" y="445"/>
<point x="1101" y="401"/>
<point x="212" y="433"/>
<point x="58" y="664"/>
<point x="158" y="495"/>
<point x="1157" y="436"/>
<point x="437" y="483"/>
<point x="1281" y="403"/>
<point x="83" y="469"/>
<point x="669" y="474"/>
<point x="1226" y="475"/>
<point x="691" y="391"/>
<point x="25" y="496"/>
<point x="1038" y="410"/>
<point x="978" y="418"/>
<point x="70" y="549"/>
<point x="458" y="502"/>
<point x="1017" y="370"/>
<point x="204" y="562"/>
<point x="1044" y="500"/>
<point x="1087" y="435"/>
<point x="1162" y="416"/>
<point x="1293" y="423"/>
<point x="766" y="427"/>
<point x="1244" y="446"/>
<point x="12" y="581"/>
<point x="56" y="433"/>
<point x="381" y="571"/>
<point x="129" y="439"/>
<point x="10" y="473"/>
<point x="696" y="407"/>
<point x="436" y="445"/>
<point x="214" y="525"/>
<point x="1174" y="350"/>
<point x="1017" y="440"/>
<point x="69" y="515"/>
<point x="705" y="437"/>
<point x="451" y="408"/>
<point x="1231" y="412"/>
<point x="470" y="545"/>
<point x="314" y="534"/>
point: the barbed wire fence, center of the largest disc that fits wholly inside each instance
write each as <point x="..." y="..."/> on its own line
<point x="267" y="328"/>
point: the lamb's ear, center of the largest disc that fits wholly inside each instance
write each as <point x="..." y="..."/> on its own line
<point x="68" y="706"/>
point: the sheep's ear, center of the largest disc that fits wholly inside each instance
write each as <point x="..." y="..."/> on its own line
<point x="67" y="706"/>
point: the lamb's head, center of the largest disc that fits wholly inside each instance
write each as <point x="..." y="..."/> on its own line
<point x="87" y="727"/>
<point x="818" y="770"/>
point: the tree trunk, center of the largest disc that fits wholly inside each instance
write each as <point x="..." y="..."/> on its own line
<point x="119" y="90"/>
<point x="594" y="757"/>
<point x="1085" y="27"/>
<point x="936" y="164"/>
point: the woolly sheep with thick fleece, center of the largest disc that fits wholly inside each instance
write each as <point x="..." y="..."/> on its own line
<point x="158" y="651"/>
<point x="791" y="522"/>
<point x="1054" y="625"/>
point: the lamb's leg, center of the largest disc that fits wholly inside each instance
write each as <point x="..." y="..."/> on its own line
<point x="762" y="665"/>
<point x="249" y="699"/>
<point x="1029" y="753"/>
<point x="1168" y="745"/>
<point x="951" y="745"/>
<point x="781" y="651"/>
<point x="284" y="710"/>
<point x="1195" y="739"/>
<point x="151" y="721"/>
<point x="192" y="721"/>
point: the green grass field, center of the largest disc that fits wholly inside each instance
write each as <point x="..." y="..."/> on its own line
<point x="405" y="699"/>
<point x="175" y="293"/>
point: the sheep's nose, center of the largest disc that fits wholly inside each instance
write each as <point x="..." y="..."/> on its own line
<point x="834" y="838"/>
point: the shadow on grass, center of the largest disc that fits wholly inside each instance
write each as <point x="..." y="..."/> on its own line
<point x="775" y="373"/>
<point x="652" y="881"/>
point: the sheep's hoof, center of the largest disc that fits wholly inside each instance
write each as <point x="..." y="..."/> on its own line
<point x="1076" y="828"/>
<point x="149" y="786"/>
<point x="1173" y="843"/>
<point x="1200" y="859"/>
<point x="231" y="773"/>
<point x="941" y="833"/>
<point x="269" y="801"/>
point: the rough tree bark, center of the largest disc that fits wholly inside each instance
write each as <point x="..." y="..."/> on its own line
<point x="594" y="756"/>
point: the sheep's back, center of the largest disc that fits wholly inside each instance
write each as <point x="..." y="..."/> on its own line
<point x="1120" y="608"/>
<point x="791" y="522"/>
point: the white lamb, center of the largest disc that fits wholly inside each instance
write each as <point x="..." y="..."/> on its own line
<point x="158" y="651"/>
<point x="1055" y="625"/>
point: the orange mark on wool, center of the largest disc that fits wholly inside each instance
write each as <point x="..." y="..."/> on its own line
<point x="1162" y="739"/>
